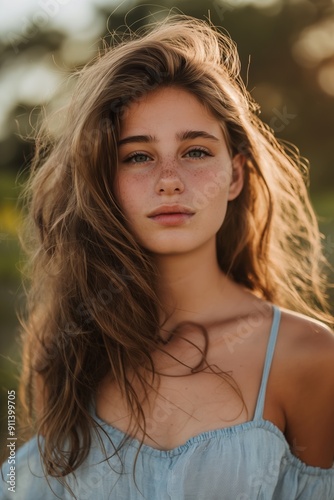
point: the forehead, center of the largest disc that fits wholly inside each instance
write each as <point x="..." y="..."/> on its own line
<point x="168" y="108"/>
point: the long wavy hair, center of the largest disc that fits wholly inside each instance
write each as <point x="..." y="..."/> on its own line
<point x="92" y="306"/>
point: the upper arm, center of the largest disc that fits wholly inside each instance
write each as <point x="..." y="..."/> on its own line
<point x="309" y="395"/>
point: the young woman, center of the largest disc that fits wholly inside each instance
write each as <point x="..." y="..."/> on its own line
<point x="171" y="237"/>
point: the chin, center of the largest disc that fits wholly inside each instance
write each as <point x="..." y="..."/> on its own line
<point x="171" y="250"/>
<point x="171" y="247"/>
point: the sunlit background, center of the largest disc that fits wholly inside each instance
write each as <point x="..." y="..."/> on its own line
<point x="287" y="53"/>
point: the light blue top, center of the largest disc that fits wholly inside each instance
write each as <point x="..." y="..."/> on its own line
<point x="249" y="461"/>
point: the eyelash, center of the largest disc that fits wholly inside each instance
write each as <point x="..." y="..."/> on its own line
<point x="137" y="153"/>
<point x="201" y="150"/>
<point x="133" y="155"/>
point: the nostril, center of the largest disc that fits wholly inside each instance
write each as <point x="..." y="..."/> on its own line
<point x="169" y="184"/>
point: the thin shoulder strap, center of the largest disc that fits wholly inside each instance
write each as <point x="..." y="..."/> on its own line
<point x="267" y="364"/>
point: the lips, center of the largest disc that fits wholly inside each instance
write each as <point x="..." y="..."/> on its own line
<point x="171" y="215"/>
<point x="171" y="210"/>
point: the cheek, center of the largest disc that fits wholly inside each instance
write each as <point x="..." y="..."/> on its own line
<point x="211" y="188"/>
<point x="129" y="191"/>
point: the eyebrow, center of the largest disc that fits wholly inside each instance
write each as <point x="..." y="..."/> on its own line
<point x="188" y="134"/>
<point x="137" y="138"/>
<point x="194" y="134"/>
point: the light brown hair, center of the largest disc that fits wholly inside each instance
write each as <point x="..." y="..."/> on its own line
<point x="92" y="304"/>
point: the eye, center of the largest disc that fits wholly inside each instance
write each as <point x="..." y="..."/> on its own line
<point x="137" y="158"/>
<point x="197" y="153"/>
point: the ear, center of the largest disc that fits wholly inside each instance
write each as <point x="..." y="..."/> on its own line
<point x="237" y="180"/>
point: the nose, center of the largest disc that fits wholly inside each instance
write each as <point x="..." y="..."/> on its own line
<point x="169" y="182"/>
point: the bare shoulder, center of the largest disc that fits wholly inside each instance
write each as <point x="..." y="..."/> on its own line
<point x="307" y="387"/>
<point x="307" y="346"/>
<point x="307" y="339"/>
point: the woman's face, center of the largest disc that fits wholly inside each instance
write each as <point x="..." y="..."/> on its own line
<point x="175" y="175"/>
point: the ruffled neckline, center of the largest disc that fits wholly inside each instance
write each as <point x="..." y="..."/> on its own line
<point x="222" y="433"/>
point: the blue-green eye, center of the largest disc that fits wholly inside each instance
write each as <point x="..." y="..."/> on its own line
<point x="197" y="153"/>
<point x="137" y="158"/>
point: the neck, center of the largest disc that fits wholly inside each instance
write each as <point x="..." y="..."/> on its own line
<point x="192" y="286"/>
